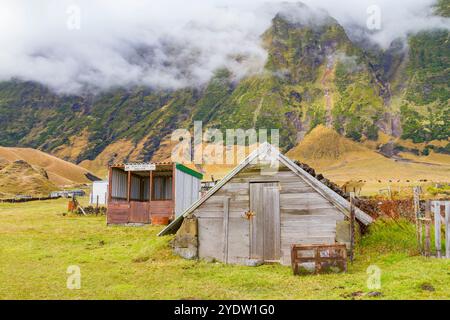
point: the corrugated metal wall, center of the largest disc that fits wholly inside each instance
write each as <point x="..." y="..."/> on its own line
<point x="146" y="188"/>
<point x="119" y="184"/>
<point x="163" y="188"/>
<point x="135" y="193"/>
<point x="187" y="190"/>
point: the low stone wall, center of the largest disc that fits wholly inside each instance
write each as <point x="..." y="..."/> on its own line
<point x="13" y="200"/>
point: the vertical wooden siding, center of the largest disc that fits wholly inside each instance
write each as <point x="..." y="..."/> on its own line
<point x="306" y="216"/>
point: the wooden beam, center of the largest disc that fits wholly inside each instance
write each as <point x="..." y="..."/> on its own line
<point x="150" y="187"/>
<point x="437" y="227"/>
<point x="352" y="225"/>
<point x="416" y="191"/>
<point x="129" y="186"/>
<point x="226" y="215"/>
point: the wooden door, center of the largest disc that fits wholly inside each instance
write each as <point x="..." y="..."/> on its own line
<point x="265" y="225"/>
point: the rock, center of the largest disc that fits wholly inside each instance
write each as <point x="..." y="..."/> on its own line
<point x="186" y="253"/>
<point x="253" y="262"/>
<point x="427" y="287"/>
<point x="374" y="294"/>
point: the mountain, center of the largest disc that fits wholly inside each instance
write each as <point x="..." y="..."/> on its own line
<point x="33" y="172"/>
<point x="315" y="75"/>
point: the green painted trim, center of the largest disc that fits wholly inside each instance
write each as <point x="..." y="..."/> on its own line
<point x="189" y="171"/>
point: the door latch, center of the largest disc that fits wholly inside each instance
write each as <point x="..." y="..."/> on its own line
<point x="249" y="214"/>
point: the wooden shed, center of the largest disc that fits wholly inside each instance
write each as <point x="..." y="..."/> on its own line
<point x="253" y="216"/>
<point x="142" y="192"/>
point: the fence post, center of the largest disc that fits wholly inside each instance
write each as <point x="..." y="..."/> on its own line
<point x="427" y="228"/>
<point x="447" y="229"/>
<point x="437" y="227"/>
<point x="416" y="192"/>
<point x="352" y="225"/>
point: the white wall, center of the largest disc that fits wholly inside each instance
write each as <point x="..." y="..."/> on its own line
<point x="100" y="189"/>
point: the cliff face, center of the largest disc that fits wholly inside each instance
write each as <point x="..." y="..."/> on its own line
<point x="314" y="75"/>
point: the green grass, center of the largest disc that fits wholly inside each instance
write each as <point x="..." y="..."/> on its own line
<point x="38" y="243"/>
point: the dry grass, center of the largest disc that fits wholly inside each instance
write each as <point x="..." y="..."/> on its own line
<point x="60" y="172"/>
<point x="21" y="178"/>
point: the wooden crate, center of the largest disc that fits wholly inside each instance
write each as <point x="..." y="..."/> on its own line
<point x="324" y="257"/>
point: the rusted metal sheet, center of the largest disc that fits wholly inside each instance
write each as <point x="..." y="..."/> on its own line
<point x="118" y="212"/>
<point x="163" y="207"/>
<point x="318" y="258"/>
<point x="139" y="212"/>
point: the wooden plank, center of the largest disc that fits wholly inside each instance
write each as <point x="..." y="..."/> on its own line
<point x="416" y="191"/>
<point x="305" y="206"/>
<point x="321" y="255"/>
<point x="210" y="238"/>
<point x="447" y="229"/>
<point x="437" y="227"/>
<point x="238" y="240"/>
<point x="301" y="196"/>
<point x="272" y="227"/>
<point x="257" y="225"/>
<point x="109" y="185"/>
<point x="150" y="187"/>
<point x="315" y="211"/>
<point x="352" y="225"/>
<point x="226" y="211"/>
<point x="297" y="189"/>
<point x="427" y="228"/>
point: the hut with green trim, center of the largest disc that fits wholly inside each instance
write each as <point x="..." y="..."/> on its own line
<point x="155" y="193"/>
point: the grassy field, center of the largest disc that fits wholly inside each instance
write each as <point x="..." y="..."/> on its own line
<point x="38" y="243"/>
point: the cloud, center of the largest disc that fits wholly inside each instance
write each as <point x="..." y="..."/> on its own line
<point x="72" y="46"/>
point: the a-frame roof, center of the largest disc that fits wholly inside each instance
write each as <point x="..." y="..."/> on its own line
<point x="267" y="149"/>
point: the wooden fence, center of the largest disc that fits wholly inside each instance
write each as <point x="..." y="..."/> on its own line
<point x="437" y="212"/>
<point x="325" y="258"/>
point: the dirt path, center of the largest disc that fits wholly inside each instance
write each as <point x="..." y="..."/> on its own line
<point x="400" y="159"/>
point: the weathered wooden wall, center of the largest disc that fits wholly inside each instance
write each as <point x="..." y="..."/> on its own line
<point x="306" y="216"/>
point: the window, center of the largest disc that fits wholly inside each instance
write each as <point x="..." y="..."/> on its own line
<point x="162" y="188"/>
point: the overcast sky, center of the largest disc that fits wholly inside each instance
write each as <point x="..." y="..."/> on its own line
<point x="98" y="44"/>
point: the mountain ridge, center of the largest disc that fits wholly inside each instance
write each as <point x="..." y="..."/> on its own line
<point x="315" y="75"/>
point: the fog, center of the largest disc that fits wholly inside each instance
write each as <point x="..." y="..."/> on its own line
<point x="93" y="45"/>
